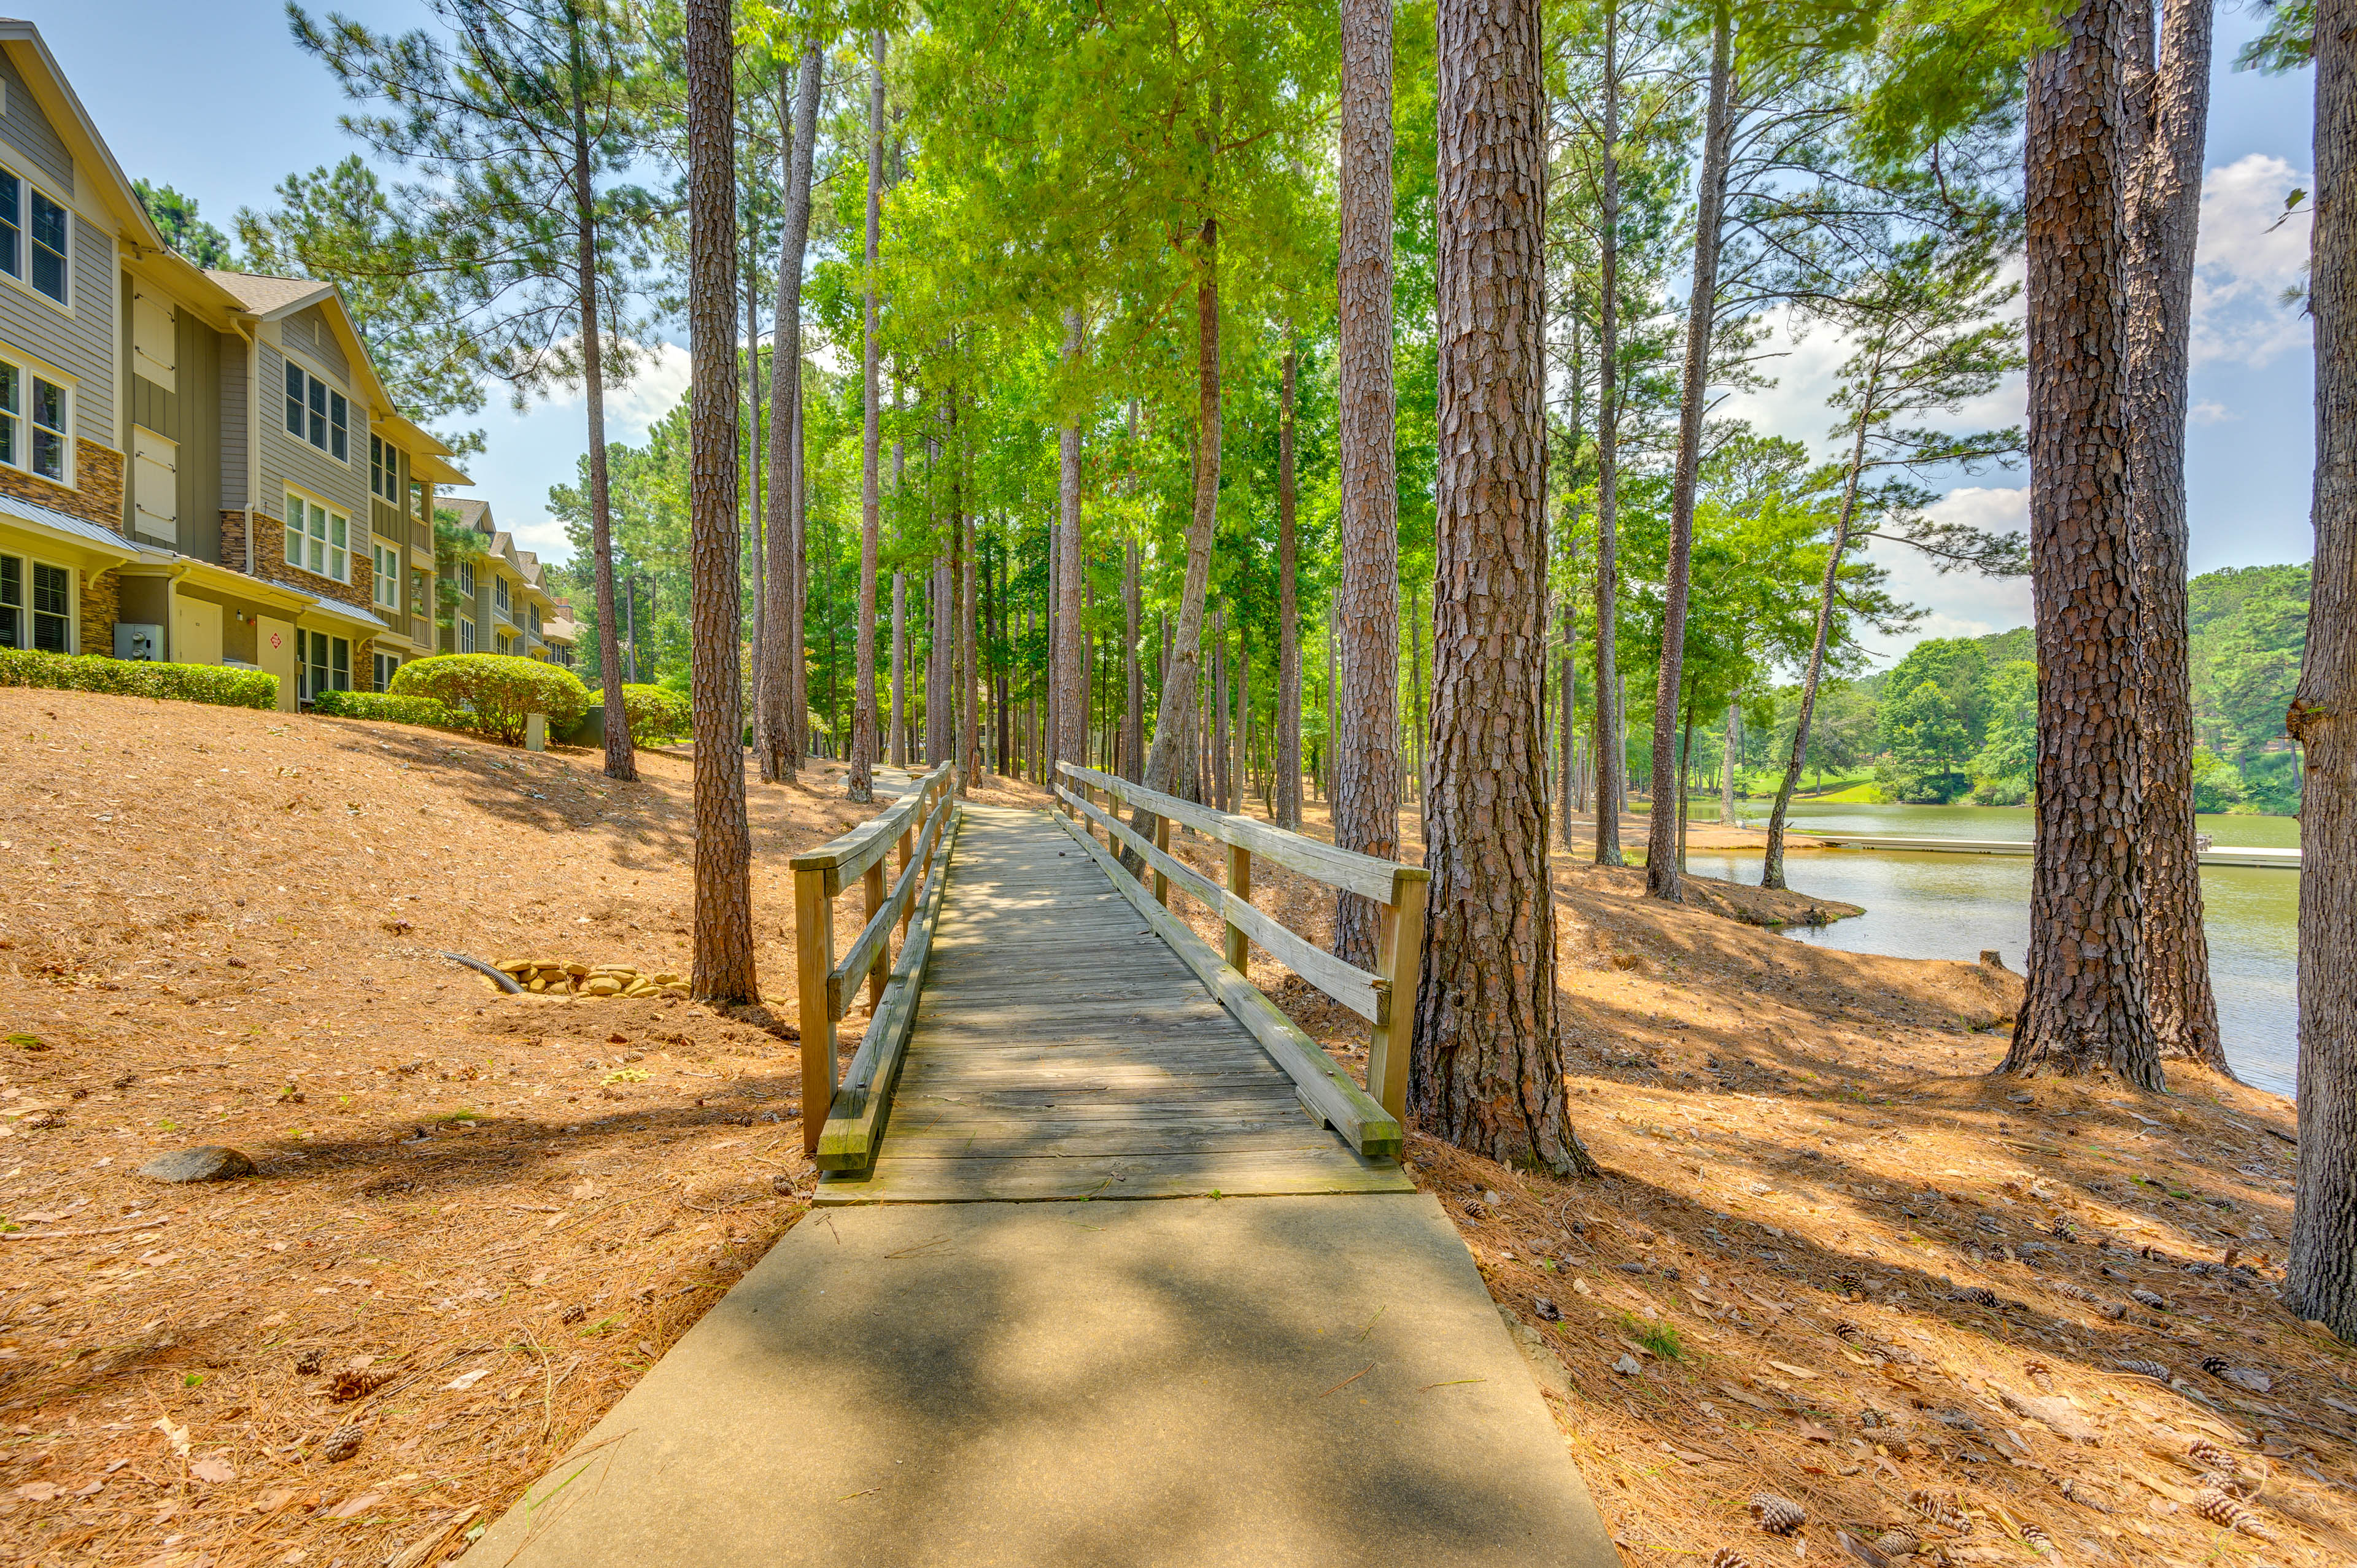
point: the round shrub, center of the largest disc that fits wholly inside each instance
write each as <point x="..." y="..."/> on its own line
<point x="657" y="713"/>
<point x="490" y="693"/>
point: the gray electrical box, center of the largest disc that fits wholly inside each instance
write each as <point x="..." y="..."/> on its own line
<point x="138" y="640"/>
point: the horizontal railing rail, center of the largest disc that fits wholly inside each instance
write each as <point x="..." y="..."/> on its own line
<point x="1371" y="1117"/>
<point x="842" y="1124"/>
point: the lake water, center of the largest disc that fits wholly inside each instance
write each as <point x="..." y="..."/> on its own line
<point x="1952" y="906"/>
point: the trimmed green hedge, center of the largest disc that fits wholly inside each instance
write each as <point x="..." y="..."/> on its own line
<point x="491" y="693"/>
<point x="657" y="713"/>
<point x="217" y="684"/>
<point x="385" y="706"/>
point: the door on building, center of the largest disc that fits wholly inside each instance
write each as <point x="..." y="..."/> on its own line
<point x="196" y="630"/>
<point x="273" y="649"/>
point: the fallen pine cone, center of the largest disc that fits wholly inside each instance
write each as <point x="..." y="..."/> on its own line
<point x="2085" y="1497"/>
<point x="341" y="1445"/>
<point x="1895" y="1543"/>
<point x="2232" y="1483"/>
<point x="574" y="1314"/>
<point x="1848" y="1331"/>
<point x="2208" y="1455"/>
<point x="2141" y="1368"/>
<point x="2249" y="1379"/>
<point x="2069" y="1289"/>
<point x="1777" y="1516"/>
<point x="2039" y="1373"/>
<point x="2220" y="1509"/>
<point x="1979" y="1296"/>
<point x="349" y="1385"/>
<point x="307" y="1365"/>
<point x="1727" y="1557"/>
<point x="1545" y="1308"/>
<point x="1942" y="1508"/>
<point x="2037" y="1538"/>
<point x="2146" y="1299"/>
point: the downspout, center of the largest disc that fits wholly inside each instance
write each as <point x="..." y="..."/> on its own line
<point x="252" y="430"/>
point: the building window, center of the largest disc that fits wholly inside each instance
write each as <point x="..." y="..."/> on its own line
<point x="466" y="579"/>
<point x="384" y="471"/>
<point x="386" y="589"/>
<point x="317" y="413"/>
<point x="326" y="665"/>
<point x="24" y="207"/>
<point x="535" y="620"/>
<point x="465" y="636"/>
<point x="384" y="665"/>
<point x="420" y="593"/>
<point x="499" y="595"/>
<point x="50" y="450"/>
<point x="317" y="540"/>
<point x="35" y="605"/>
<point x="506" y="642"/>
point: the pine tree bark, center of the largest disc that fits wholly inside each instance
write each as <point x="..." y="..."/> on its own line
<point x="2084" y="1007"/>
<point x="860" y="783"/>
<point x="723" y="941"/>
<point x="899" y="736"/>
<point x="1364" y="742"/>
<point x="1287" y="804"/>
<point x="1223" y="791"/>
<point x="1172" y="728"/>
<point x="1567" y="743"/>
<point x="1487" y="1073"/>
<point x="1071" y="741"/>
<point x="1661" y="859"/>
<point x="2168" y="118"/>
<point x="621" y="759"/>
<point x="1133" y="748"/>
<point x="2320" y="1275"/>
<point x="1605" y="722"/>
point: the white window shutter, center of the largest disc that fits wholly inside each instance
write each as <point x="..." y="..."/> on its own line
<point x="154" y="485"/>
<point x="154" y="340"/>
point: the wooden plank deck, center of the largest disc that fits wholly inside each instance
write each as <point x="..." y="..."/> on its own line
<point x="1062" y="1050"/>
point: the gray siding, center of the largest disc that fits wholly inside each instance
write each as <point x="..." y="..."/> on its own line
<point x="233" y="443"/>
<point x="287" y="459"/>
<point x="190" y="414"/>
<point x="27" y="132"/>
<point x="307" y="333"/>
<point x="83" y="343"/>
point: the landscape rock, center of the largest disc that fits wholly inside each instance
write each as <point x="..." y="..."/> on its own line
<point x="211" y="1162"/>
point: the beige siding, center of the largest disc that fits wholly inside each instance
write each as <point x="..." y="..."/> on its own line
<point x="26" y="130"/>
<point x="306" y="332"/>
<point x="80" y="342"/>
<point x="287" y="459"/>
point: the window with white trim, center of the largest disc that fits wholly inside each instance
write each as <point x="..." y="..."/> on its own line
<point x="36" y="415"/>
<point x="465" y="636"/>
<point x="384" y="470"/>
<point x="384" y="664"/>
<point x="317" y="538"/>
<point x="36" y="238"/>
<point x="506" y="640"/>
<point x="317" y="412"/>
<point x="326" y="663"/>
<point x="37" y="604"/>
<point x="466" y="579"/>
<point x="386" y="588"/>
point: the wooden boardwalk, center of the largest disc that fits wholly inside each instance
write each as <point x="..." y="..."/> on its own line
<point x="1062" y="1050"/>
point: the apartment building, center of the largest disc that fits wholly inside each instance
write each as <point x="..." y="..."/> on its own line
<point x="200" y="466"/>
<point x="504" y="605"/>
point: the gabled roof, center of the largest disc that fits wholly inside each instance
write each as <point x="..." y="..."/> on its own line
<point x="270" y="297"/>
<point x="58" y="101"/>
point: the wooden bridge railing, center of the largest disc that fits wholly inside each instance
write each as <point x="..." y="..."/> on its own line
<point x="1371" y="1118"/>
<point x="841" y="1125"/>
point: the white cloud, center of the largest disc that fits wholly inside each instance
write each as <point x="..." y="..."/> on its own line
<point x="2248" y="255"/>
<point x="2209" y="412"/>
<point x="663" y="373"/>
<point x="1960" y="603"/>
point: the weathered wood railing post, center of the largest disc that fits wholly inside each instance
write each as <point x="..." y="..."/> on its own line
<point x="1236" y="950"/>
<point x="1399" y="959"/>
<point x="1162" y="843"/>
<point x="813" y="958"/>
<point x="871" y="886"/>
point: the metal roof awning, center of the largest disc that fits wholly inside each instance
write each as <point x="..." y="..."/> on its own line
<point x="67" y="528"/>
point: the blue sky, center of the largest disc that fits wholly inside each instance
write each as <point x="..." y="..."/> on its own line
<point x="216" y="100"/>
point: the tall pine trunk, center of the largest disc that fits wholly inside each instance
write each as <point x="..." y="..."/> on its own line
<point x="2320" y="1275"/>
<point x="899" y="734"/>
<point x="860" y="783"/>
<point x="1071" y="739"/>
<point x="2084" y="1007"/>
<point x="2169" y="115"/>
<point x="621" y="760"/>
<point x="1133" y="748"/>
<point x="723" y="925"/>
<point x="1487" y="1074"/>
<point x="780" y="723"/>
<point x="1661" y="857"/>
<point x="1363" y="740"/>
<point x="1286" y="808"/>
<point x="1605" y="722"/>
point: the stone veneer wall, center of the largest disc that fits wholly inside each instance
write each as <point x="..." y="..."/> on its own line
<point x="270" y="561"/>
<point x="97" y="499"/>
<point x="102" y="598"/>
